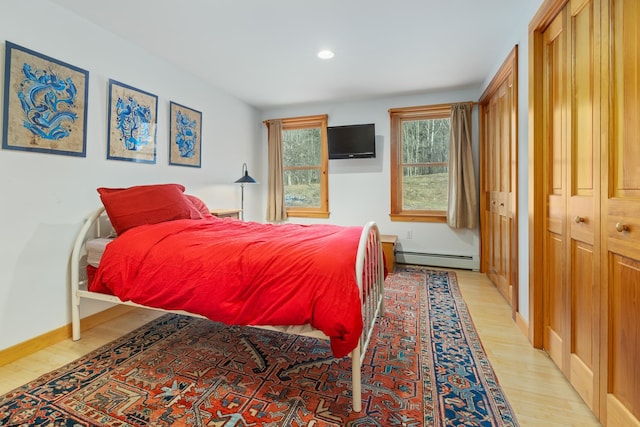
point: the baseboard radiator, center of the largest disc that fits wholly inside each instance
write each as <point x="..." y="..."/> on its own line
<point x="465" y="262"/>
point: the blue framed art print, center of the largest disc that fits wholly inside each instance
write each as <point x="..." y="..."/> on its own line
<point x="132" y="124"/>
<point x="45" y="104"/>
<point x="185" y="140"/>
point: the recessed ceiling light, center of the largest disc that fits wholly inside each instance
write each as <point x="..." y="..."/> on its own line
<point x="325" y="54"/>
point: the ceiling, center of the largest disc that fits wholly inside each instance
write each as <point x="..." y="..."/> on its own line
<point x="264" y="52"/>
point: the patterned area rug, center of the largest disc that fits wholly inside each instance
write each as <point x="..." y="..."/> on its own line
<point x="426" y="367"/>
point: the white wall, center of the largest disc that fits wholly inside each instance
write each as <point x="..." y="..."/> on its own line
<point x="44" y="197"/>
<point x="359" y="189"/>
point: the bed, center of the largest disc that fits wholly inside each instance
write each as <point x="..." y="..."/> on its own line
<point x="156" y="247"/>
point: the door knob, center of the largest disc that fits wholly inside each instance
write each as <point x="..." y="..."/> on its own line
<point x="578" y="219"/>
<point x="620" y="227"/>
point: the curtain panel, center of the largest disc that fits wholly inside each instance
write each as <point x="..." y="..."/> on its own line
<point x="462" y="211"/>
<point x="276" y="210"/>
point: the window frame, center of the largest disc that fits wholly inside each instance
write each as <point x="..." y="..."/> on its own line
<point x="397" y="117"/>
<point x="306" y="122"/>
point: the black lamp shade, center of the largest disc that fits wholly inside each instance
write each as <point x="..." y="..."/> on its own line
<point x="245" y="178"/>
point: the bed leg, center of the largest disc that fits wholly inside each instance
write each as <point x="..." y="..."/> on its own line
<point x="75" y="318"/>
<point x="356" y="378"/>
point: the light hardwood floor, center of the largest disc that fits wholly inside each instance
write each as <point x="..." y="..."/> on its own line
<point x="537" y="391"/>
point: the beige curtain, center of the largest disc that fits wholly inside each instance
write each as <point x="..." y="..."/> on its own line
<point x="463" y="210"/>
<point x="276" y="210"/>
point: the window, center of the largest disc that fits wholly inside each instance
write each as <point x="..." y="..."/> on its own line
<point x="305" y="164"/>
<point x="420" y="163"/>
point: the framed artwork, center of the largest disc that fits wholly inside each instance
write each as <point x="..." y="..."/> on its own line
<point x="185" y="130"/>
<point x="45" y="104"/>
<point x="132" y="124"/>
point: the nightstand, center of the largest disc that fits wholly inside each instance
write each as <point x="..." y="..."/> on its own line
<point x="226" y="213"/>
<point x="389" y="248"/>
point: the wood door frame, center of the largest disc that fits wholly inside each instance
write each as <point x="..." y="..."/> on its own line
<point x="509" y="68"/>
<point x="537" y="206"/>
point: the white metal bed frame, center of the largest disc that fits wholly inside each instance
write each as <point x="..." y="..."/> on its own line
<point x="369" y="271"/>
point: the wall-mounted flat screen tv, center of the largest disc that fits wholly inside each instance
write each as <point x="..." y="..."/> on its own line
<point x="352" y="141"/>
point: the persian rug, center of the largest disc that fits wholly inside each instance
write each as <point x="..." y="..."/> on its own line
<point x="425" y="367"/>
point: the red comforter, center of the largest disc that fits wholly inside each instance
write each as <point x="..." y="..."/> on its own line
<point x="241" y="273"/>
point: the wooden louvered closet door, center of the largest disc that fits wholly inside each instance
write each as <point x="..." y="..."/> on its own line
<point x="586" y="145"/>
<point x="572" y="175"/>
<point x="555" y="332"/>
<point x="583" y="208"/>
<point x="621" y="220"/>
<point x="498" y="180"/>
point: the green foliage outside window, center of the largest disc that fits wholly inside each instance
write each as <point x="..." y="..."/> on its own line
<point x="425" y="156"/>
<point x="302" y="160"/>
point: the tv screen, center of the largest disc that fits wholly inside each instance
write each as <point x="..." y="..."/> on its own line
<point x="352" y="142"/>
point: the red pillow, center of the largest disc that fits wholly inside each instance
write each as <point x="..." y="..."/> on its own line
<point x="199" y="205"/>
<point x="146" y="204"/>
